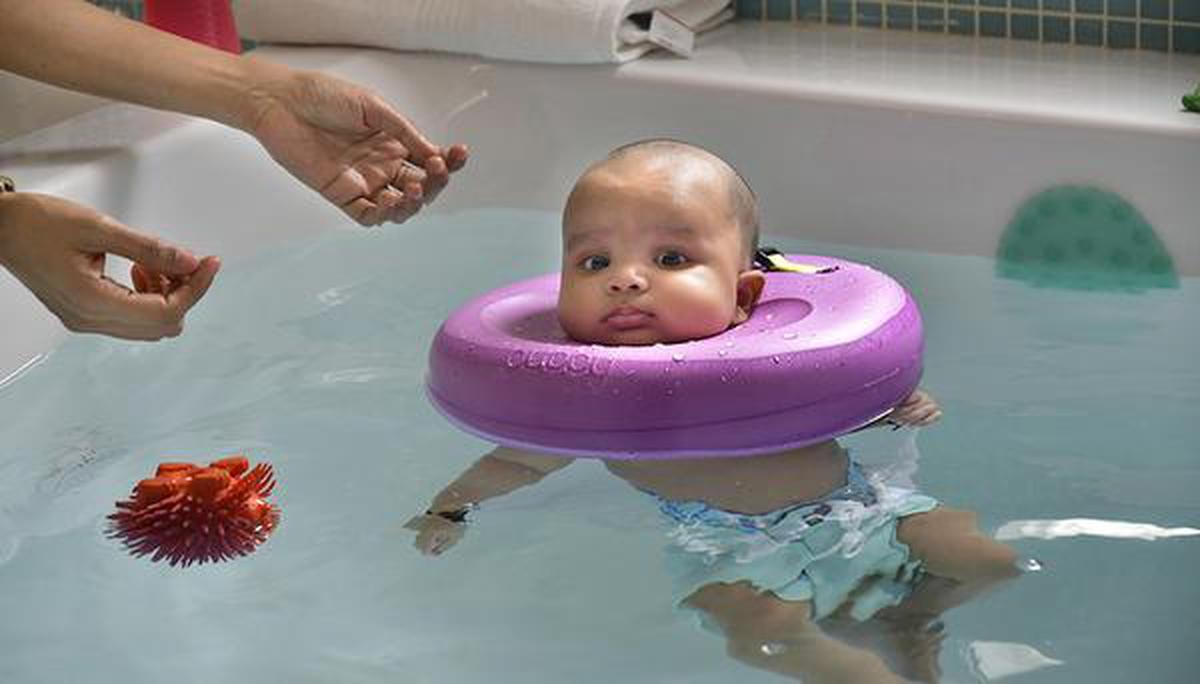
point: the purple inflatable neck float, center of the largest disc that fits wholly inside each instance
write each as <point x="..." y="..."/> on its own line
<point x="822" y="355"/>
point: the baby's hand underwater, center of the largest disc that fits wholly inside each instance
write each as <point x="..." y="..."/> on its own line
<point x="435" y="534"/>
<point x="918" y="409"/>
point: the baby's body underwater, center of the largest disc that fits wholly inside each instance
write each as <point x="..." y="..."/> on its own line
<point x="744" y="484"/>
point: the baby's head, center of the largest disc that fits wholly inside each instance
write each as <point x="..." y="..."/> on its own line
<point x="658" y="246"/>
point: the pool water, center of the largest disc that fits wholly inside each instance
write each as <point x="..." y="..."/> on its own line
<point x="1059" y="404"/>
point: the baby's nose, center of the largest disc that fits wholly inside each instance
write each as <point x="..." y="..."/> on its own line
<point x="628" y="281"/>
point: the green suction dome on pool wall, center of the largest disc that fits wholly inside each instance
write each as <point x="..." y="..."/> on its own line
<point x="1084" y="238"/>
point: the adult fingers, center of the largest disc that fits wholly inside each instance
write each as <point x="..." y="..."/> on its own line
<point x="437" y="175"/>
<point x="147" y="281"/>
<point x="384" y="161"/>
<point x="455" y="156"/>
<point x="380" y="116"/>
<point x="383" y="204"/>
<point x="153" y="253"/>
<point x="367" y="180"/>
<point x="389" y="204"/>
<point x="411" y="204"/>
<point x="407" y="173"/>
<point x="147" y="315"/>
<point x="397" y="201"/>
<point x="345" y="188"/>
<point x="184" y="296"/>
<point x="141" y="278"/>
<point x="363" y="211"/>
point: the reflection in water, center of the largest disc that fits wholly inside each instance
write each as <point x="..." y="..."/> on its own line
<point x="1076" y="527"/>
<point x="998" y="659"/>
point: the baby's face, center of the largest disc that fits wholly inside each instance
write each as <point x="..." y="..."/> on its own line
<point x="652" y="253"/>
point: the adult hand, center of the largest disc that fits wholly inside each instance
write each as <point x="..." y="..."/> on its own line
<point x="58" y="249"/>
<point x="346" y="143"/>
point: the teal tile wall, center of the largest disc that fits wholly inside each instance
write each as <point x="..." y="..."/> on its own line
<point x="1166" y="25"/>
<point x="129" y="8"/>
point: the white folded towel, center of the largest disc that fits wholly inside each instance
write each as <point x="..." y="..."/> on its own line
<point x="564" y="31"/>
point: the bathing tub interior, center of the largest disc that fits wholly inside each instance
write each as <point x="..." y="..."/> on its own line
<point x="873" y="144"/>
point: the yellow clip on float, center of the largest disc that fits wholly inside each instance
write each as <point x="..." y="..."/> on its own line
<point x="771" y="259"/>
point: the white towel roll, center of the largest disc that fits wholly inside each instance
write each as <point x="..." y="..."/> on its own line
<point x="562" y="31"/>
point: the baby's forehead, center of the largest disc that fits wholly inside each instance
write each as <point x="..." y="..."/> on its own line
<point x="665" y="166"/>
<point x="675" y="179"/>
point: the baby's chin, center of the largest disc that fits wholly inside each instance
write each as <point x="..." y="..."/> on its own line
<point x="629" y="338"/>
<point x="638" y="337"/>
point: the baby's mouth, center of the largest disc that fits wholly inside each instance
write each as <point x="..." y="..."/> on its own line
<point x="627" y="318"/>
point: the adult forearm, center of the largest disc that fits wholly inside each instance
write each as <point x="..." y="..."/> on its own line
<point x="72" y="44"/>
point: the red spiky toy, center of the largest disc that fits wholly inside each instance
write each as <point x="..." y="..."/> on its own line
<point x="189" y="514"/>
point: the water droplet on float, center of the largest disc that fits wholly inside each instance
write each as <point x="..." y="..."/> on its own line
<point x="772" y="648"/>
<point x="775" y="360"/>
<point x="770" y="317"/>
<point x="1029" y="565"/>
<point x="677" y="357"/>
<point x="722" y="352"/>
<point x="790" y="335"/>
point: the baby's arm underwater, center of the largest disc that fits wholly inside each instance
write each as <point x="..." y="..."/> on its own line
<point x="502" y="471"/>
<point x="917" y="410"/>
<point x="920" y="409"/>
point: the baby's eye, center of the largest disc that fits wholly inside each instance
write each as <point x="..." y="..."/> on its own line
<point x="671" y="259"/>
<point x="595" y="262"/>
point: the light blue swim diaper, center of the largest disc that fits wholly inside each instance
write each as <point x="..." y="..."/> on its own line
<point x="819" y="551"/>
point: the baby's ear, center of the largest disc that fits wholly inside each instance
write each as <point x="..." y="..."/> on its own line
<point x="749" y="289"/>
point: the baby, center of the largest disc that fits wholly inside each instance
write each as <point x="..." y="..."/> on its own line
<point x="658" y="246"/>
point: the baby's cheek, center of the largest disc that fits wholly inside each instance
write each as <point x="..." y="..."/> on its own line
<point x="702" y="320"/>
<point x="576" y="326"/>
<point x="567" y="322"/>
